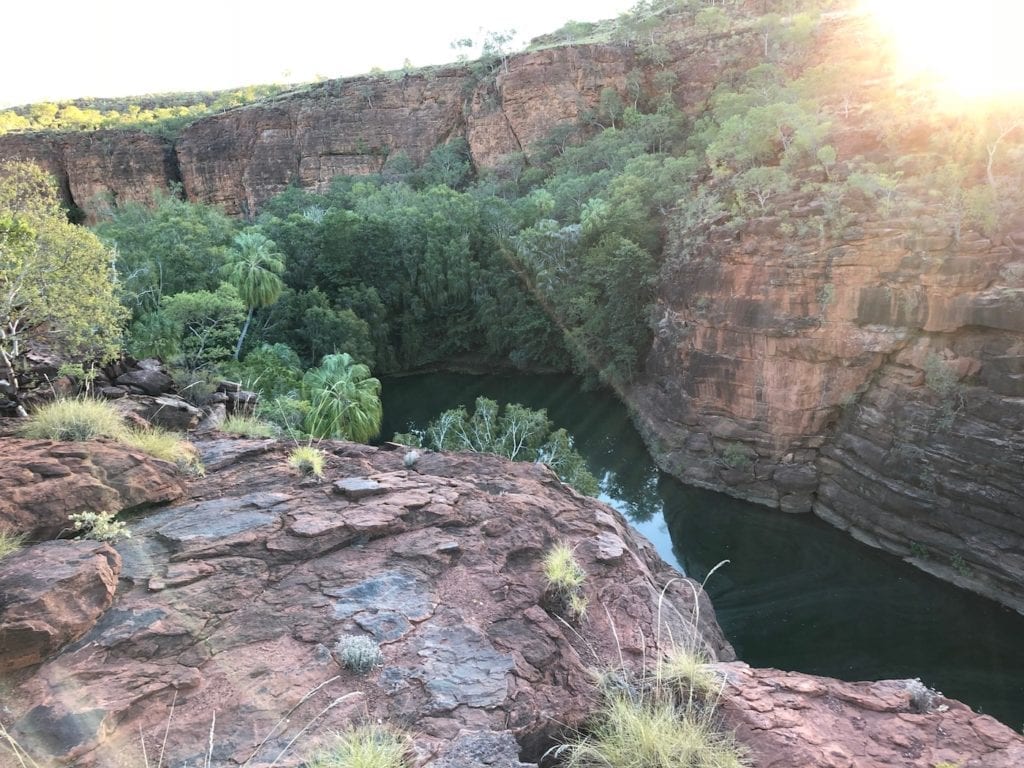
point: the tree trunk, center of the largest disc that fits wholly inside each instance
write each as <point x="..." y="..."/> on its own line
<point x="245" y="330"/>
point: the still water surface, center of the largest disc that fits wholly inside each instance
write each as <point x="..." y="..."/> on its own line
<point x="797" y="593"/>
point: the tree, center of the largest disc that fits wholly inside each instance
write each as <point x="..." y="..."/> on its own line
<point x="254" y="269"/>
<point x="204" y="323"/>
<point x="344" y="399"/>
<point x="56" y="281"/>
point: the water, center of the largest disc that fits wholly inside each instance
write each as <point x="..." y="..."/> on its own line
<point x="797" y="593"/>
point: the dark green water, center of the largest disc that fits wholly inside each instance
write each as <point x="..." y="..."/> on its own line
<point x="797" y="593"/>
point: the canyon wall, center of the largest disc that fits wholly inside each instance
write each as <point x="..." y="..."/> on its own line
<point x="878" y="382"/>
<point x="875" y="378"/>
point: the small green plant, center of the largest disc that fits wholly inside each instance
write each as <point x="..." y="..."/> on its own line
<point x="308" y="460"/>
<point x="960" y="565"/>
<point x="947" y="764"/>
<point x="919" y="550"/>
<point x="74" y="419"/>
<point x="565" y="578"/>
<point x="247" y="426"/>
<point x="364" y="746"/>
<point x="99" y="526"/>
<point x="358" y="653"/>
<point x="735" y="457"/>
<point x="651" y="729"/>
<point x="10" y="543"/>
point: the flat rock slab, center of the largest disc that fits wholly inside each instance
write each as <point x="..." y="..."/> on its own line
<point x="356" y="488"/>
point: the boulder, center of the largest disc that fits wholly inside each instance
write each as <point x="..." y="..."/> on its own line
<point x="50" y="595"/>
<point x="44" y="481"/>
<point x="149" y="381"/>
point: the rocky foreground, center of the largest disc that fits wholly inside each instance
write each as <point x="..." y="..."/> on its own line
<point x="219" y="621"/>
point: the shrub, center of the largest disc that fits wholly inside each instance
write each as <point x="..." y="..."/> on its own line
<point x="165" y="445"/>
<point x="247" y="426"/>
<point x="365" y="746"/>
<point x="308" y="460"/>
<point x="358" y="653"/>
<point x="74" y="419"/>
<point x="10" y="543"/>
<point x="100" y="526"/>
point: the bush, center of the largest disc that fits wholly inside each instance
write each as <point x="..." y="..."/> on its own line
<point x="100" y="526"/>
<point x="10" y="543"/>
<point x="247" y="426"/>
<point x="358" y="653"/>
<point x="308" y="460"/>
<point x="366" y="746"/>
<point x="688" y="673"/>
<point x="75" y="420"/>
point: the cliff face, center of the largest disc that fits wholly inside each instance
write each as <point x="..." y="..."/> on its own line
<point x="99" y="169"/>
<point x="877" y="382"/>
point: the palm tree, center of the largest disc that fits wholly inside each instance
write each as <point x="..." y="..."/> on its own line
<point x="254" y="268"/>
<point x="344" y="399"/>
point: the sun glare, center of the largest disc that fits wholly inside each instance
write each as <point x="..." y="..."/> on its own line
<point x="971" y="50"/>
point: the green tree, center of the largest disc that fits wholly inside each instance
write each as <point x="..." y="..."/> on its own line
<point x="254" y="269"/>
<point x="56" y="283"/>
<point x="166" y="248"/>
<point x="205" y="323"/>
<point x="344" y="399"/>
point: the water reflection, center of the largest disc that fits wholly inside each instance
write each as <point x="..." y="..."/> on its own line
<point x="797" y="593"/>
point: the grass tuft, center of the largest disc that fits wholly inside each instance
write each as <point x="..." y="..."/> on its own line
<point x="247" y="426"/>
<point x="365" y="746"/>
<point x="162" y="444"/>
<point x="308" y="460"/>
<point x="10" y="543"/>
<point x="562" y="571"/>
<point x="687" y="673"/>
<point x="652" y="731"/>
<point x="74" y="419"/>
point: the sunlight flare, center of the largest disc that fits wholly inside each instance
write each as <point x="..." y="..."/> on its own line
<point x="971" y="51"/>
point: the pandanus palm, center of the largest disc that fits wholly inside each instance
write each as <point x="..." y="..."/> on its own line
<point x="254" y="268"/>
<point x="344" y="399"/>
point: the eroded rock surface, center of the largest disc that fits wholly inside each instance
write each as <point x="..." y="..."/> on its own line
<point x="50" y="595"/>
<point x="789" y="719"/>
<point x="43" y="482"/>
<point x="234" y="601"/>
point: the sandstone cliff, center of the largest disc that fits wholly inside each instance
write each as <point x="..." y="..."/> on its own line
<point x="875" y="379"/>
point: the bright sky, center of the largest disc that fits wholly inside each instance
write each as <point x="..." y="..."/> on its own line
<point x="61" y="49"/>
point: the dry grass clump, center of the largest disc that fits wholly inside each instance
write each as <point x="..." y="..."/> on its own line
<point x="166" y="445"/>
<point x="247" y="426"/>
<point x="10" y="543"/>
<point x="565" y="578"/>
<point x="74" y="419"/>
<point x="308" y="460"/>
<point x="364" y="746"/>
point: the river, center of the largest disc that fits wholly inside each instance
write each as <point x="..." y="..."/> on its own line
<point x="796" y="594"/>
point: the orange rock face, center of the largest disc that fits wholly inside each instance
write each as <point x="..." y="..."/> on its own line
<point x="877" y="381"/>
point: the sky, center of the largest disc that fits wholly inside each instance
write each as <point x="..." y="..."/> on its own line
<point x="65" y="49"/>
